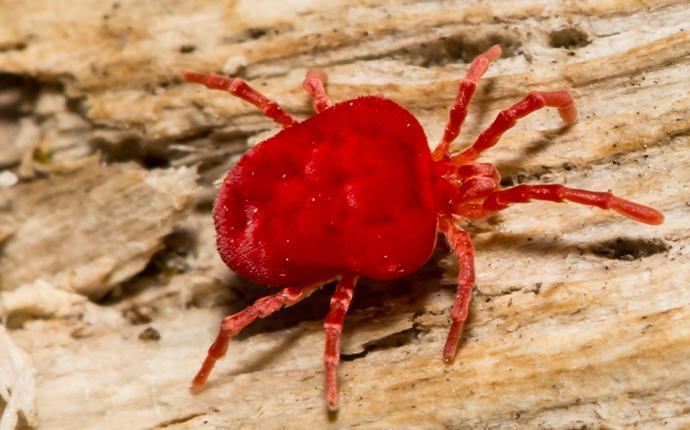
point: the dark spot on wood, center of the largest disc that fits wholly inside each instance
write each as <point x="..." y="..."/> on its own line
<point x="187" y="49"/>
<point x="154" y="160"/>
<point x="150" y="334"/>
<point x="537" y="288"/>
<point x="179" y="420"/>
<point x="568" y="37"/>
<point x="20" y="95"/>
<point x="629" y="249"/>
<point x="391" y="341"/>
<point x="256" y="33"/>
<point x="460" y="48"/>
<point x="19" y="46"/>
<point x="136" y="315"/>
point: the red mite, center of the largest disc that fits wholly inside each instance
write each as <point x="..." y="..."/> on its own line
<point x="355" y="191"/>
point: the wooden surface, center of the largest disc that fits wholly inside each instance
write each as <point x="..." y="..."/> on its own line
<point x="581" y="318"/>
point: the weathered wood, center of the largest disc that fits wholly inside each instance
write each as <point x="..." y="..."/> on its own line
<point x="17" y="385"/>
<point x="580" y="319"/>
<point x="90" y="230"/>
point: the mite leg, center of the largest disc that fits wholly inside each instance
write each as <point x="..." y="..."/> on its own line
<point x="333" y="325"/>
<point x="314" y="85"/>
<point x="458" y="111"/>
<point x="506" y="119"/>
<point x="461" y="244"/>
<point x="239" y="88"/>
<point x="558" y="193"/>
<point x="233" y="324"/>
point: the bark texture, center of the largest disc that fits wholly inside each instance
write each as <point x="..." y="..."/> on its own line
<point x="111" y="289"/>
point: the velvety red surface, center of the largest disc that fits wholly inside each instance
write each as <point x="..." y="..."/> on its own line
<point x="345" y="191"/>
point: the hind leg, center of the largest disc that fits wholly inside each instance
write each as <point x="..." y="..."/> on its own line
<point x="466" y="89"/>
<point x="239" y="88"/>
<point x="461" y="244"/>
<point x="233" y="324"/>
<point x="340" y="302"/>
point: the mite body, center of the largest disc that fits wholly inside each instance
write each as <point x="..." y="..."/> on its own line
<point x="337" y="193"/>
<point x="355" y="191"/>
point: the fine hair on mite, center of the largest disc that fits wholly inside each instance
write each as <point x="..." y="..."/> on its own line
<point x="355" y="191"/>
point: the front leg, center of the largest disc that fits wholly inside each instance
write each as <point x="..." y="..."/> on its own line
<point x="501" y="199"/>
<point x="506" y="119"/>
<point x="458" y="111"/>
<point x="461" y="244"/>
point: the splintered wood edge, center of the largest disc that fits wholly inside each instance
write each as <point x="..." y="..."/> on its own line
<point x="102" y="221"/>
